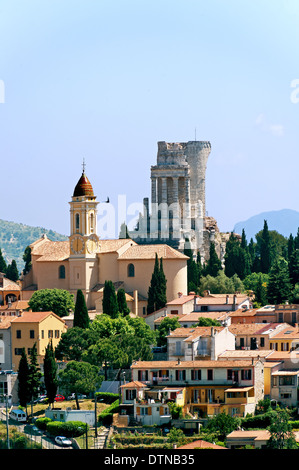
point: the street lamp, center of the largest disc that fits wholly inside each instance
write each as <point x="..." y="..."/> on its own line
<point x="7" y="425"/>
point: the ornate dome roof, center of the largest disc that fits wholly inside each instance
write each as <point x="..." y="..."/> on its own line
<point x="83" y="187"/>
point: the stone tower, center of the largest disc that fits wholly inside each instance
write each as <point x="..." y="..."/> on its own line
<point x="178" y="203"/>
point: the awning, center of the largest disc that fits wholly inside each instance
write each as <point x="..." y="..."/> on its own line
<point x="238" y="389"/>
<point x="172" y="389"/>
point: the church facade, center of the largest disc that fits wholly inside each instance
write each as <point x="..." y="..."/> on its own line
<point x="85" y="261"/>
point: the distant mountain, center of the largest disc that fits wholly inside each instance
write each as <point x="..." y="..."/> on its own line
<point x="285" y="222"/>
<point x="14" y="238"/>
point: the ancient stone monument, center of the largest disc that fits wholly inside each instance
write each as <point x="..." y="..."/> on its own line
<point x="178" y="200"/>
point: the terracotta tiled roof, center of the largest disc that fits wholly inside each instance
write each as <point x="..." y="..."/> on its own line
<point x="149" y="252"/>
<point x="134" y="384"/>
<point x="195" y="316"/>
<point x="288" y="332"/>
<point x="5" y="322"/>
<point x="220" y="299"/>
<point x="192" y="333"/>
<point x="32" y="317"/>
<point x="199" y="444"/>
<point x="241" y="353"/>
<point x="248" y="328"/>
<point x="181" y="300"/>
<point x="244" y="313"/>
<point x="112" y="245"/>
<point x="188" y="364"/>
<point x="51" y="251"/>
<point x="17" y="305"/>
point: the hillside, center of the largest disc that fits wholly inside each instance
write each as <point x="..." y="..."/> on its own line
<point x="285" y="222"/>
<point x="15" y="237"/>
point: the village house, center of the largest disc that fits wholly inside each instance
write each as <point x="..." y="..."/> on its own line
<point x="255" y="335"/>
<point x="200" y="343"/>
<point x="34" y="328"/>
<point x="221" y="302"/>
<point x="206" y="387"/>
<point x="10" y="291"/>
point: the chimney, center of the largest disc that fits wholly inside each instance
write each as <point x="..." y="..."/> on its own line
<point x="234" y="301"/>
<point x="179" y="361"/>
<point x="227" y="298"/>
<point x="180" y="294"/>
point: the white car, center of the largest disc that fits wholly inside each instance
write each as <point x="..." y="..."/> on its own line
<point x="63" y="441"/>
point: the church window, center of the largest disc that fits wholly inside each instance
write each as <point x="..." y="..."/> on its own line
<point x="77" y="222"/>
<point x="91" y="223"/>
<point x="62" y="272"/>
<point x="131" y="270"/>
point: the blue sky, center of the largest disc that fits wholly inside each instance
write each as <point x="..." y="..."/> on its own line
<point x="106" y="80"/>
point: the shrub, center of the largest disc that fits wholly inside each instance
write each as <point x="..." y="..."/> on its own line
<point x="41" y="423"/>
<point x="106" y="397"/>
<point x="258" y="421"/>
<point x="68" y="429"/>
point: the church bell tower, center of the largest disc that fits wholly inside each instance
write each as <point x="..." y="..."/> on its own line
<point x="84" y="241"/>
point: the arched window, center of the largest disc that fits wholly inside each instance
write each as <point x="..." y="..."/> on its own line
<point x="77" y="217"/>
<point x="91" y="222"/>
<point x="62" y="272"/>
<point x="131" y="270"/>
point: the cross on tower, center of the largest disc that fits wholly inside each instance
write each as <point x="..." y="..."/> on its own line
<point x="83" y="165"/>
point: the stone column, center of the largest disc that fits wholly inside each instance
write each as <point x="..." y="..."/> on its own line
<point x="187" y="198"/>
<point x="154" y="189"/>
<point x="175" y="206"/>
<point x="164" y="209"/>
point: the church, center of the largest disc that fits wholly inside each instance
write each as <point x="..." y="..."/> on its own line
<point x="85" y="261"/>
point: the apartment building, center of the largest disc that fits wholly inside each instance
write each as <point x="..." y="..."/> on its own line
<point x="204" y="388"/>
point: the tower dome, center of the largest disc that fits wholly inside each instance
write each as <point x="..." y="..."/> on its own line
<point x="83" y="187"/>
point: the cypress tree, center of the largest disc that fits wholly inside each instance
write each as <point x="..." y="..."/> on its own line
<point x="157" y="289"/>
<point x="50" y="373"/>
<point x="27" y="259"/>
<point x="291" y="246"/>
<point x="265" y="254"/>
<point x="122" y="302"/>
<point x="214" y="264"/>
<point x="294" y="267"/>
<point x="12" y="272"/>
<point x="162" y="299"/>
<point x="34" y="373"/>
<point x="24" y="392"/>
<point x="3" y="265"/>
<point x="110" y="305"/>
<point x="81" y="318"/>
<point x="193" y="268"/>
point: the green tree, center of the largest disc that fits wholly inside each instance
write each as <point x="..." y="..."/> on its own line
<point x="50" y="373"/>
<point x="24" y="392"/>
<point x="81" y="317"/>
<point x="223" y="424"/>
<point x="34" y="373"/>
<point x="260" y="292"/>
<point x="3" y="265"/>
<point x="294" y="267"/>
<point x="167" y="324"/>
<point x="281" y="434"/>
<point x="279" y="286"/>
<point x="122" y="302"/>
<point x="57" y="301"/>
<point x="110" y="305"/>
<point x="265" y="249"/>
<point x="221" y="284"/>
<point x="74" y="342"/>
<point x="157" y="289"/>
<point x="12" y="272"/>
<point x="202" y="321"/>
<point x="27" y="260"/>
<point x="79" y="377"/>
<point x="193" y="268"/>
<point x="213" y="265"/>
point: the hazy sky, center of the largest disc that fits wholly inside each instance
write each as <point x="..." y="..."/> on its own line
<point x="105" y="80"/>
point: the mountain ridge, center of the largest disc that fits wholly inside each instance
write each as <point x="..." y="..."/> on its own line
<point x="284" y="221"/>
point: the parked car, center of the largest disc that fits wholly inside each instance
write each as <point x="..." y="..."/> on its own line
<point x="63" y="441"/>
<point x="59" y="398"/>
<point x="41" y="399"/>
<point x="73" y="396"/>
